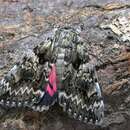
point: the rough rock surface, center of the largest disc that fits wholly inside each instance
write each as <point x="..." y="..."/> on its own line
<point x="105" y="28"/>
